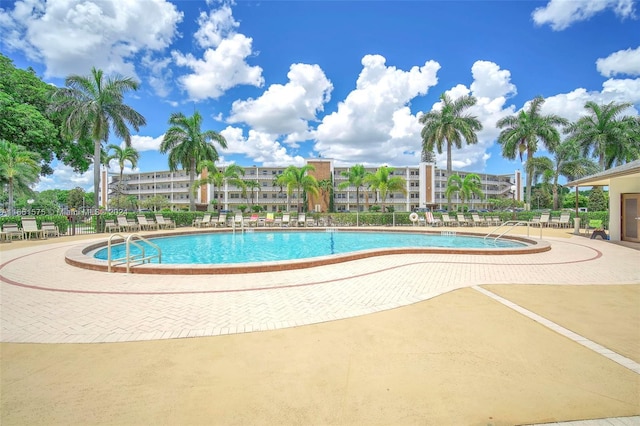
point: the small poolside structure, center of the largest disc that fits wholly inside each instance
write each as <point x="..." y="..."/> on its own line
<point x="624" y="199"/>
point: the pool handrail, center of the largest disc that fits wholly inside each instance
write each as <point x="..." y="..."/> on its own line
<point x="129" y="258"/>
<point x="513" y="224"/>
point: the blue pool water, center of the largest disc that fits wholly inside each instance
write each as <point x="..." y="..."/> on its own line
<point x="229" y="248"/>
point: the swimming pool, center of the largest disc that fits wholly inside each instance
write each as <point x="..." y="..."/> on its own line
<point x="271" y="244"/>
<point x="250" y="247"/>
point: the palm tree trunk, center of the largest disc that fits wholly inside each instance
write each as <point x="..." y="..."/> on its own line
<point x="97" y="150"/>
<point x="192" y="177"/>
<point x="10" y="184"/>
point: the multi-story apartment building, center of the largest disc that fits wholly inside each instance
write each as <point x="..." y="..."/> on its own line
<point x="425" y="187"/>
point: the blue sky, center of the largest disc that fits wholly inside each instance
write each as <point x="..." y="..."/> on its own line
<point x="285" y="81"/>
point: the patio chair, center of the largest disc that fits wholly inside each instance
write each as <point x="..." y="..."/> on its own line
<point x="145" y="224"/>
<point x="430" y="220"/>
<point x="277" y="221"/>
<point x="203" y="222"/>
<point x="12" y="231"/>
<point x="164" y="223"/>
<point x="110" y="225"/>
<point x="593" y="225"/>
<point x="310" y="222"/>
<point x="302" y="220"/>
<point x="544" y="219"/>
<point x="253" y="220"/>
<point x="270" y="219"/>
<point x="286" y="218"/>
<point x="30" y="227"/>
<point x="50" y="229"/>
<point x="463" y="220"/>
<point x="563" y="221"/>
<point x="126" y="225"/>
<point x="237" y="220"/>
<point x="448" y="221"/>
<point x="477" y="220"/>
<point x="221" y="221"/>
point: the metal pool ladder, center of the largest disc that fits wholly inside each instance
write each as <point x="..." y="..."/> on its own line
<point x="129" y="258"/>
<point x="510" y="224"/>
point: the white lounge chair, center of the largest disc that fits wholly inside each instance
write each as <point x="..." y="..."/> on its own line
<point x="221" y="221"/>
<point x="50" y="229"/>
<point x="30" y="227"/>
<point x="463" y="220"/>
<point x="145" y="224"/>
<point x="202" y="222"/>
<point x="165" y="223"/>
<point x="12" y="231"/>
<point x="302" y="219"/>
<point x="286" y="218"/>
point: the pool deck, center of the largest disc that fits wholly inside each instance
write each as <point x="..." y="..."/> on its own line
<point x="45" y="300"/>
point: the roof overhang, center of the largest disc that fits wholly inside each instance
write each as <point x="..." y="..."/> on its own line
<point x="631" y="169"/>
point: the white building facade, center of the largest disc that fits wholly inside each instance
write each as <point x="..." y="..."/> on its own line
<point x="425" y="188"/>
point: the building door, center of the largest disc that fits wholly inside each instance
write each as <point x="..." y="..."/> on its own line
<point x="631" y="217"/>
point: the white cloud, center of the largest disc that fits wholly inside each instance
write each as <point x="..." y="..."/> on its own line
<point x="260" y="147"/>
<point x="64" y="177"/>
<point x="215" y="26"/>
<point x="219" y="69"/>
<point x="373" y="123"/>
<point x="561" y="14"/>
<point x="620" y="62"/>
<point x="287" y="109"/>
<point x="71" y="36"/>
<point x="146" y="143"/>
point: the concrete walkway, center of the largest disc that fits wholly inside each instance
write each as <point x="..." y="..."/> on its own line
<point x="44" y="300"/>
<point x="57" y="303"/>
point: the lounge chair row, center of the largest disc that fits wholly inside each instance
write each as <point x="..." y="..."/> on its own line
<point x="122" y="224"/>
<point x="458" y="220"/>
<point x="254" y="220"/>
<point x="29" y="229"/>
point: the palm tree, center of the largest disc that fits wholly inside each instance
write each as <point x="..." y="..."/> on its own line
<point x="19" y="168"/>
<point x="253" y="186"/>
<point x="128" y="154"/>
<point x="189" y="146"/>
<point x="605" y="135"/>
<point x="465" y="188"/>
<point x="326" y="188"/>
<point x="522" y="132"/>
<point x="218" y="178"/>
<point x="355" y="177"/>
<point x="449" y="126"/>
<point x="297" y="178"/>
<point x="92" y="106"/>
<point x="383" y="182"/>
<point x="567" y="162"/>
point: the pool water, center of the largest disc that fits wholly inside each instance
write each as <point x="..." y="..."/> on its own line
<point x="229" y="248"/>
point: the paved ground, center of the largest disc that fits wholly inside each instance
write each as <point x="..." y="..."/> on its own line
<point x="389" y="339"/>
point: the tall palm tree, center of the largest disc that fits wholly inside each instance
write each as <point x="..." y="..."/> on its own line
<point x="297" y="178"/>
<point x="253" y="186"/>
<point x="449" y="126"/>
<point x="189" y="146"/>
<point x="604" y="134"/>
<point x="92" y="106"/>
<point x="569" y="163"/>
<point x="355" y="177"/>
<point x="326" y="189"/>
<point x="384" y="182"/>
<point x="521" y="133"/>
<point x="123" y="155"/>
<point x="19" y="168"/>
<point x="218" y="178"/>
<point x="465" y="188"/>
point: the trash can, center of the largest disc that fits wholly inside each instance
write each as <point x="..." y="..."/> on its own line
<point x="576" y="226"/>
